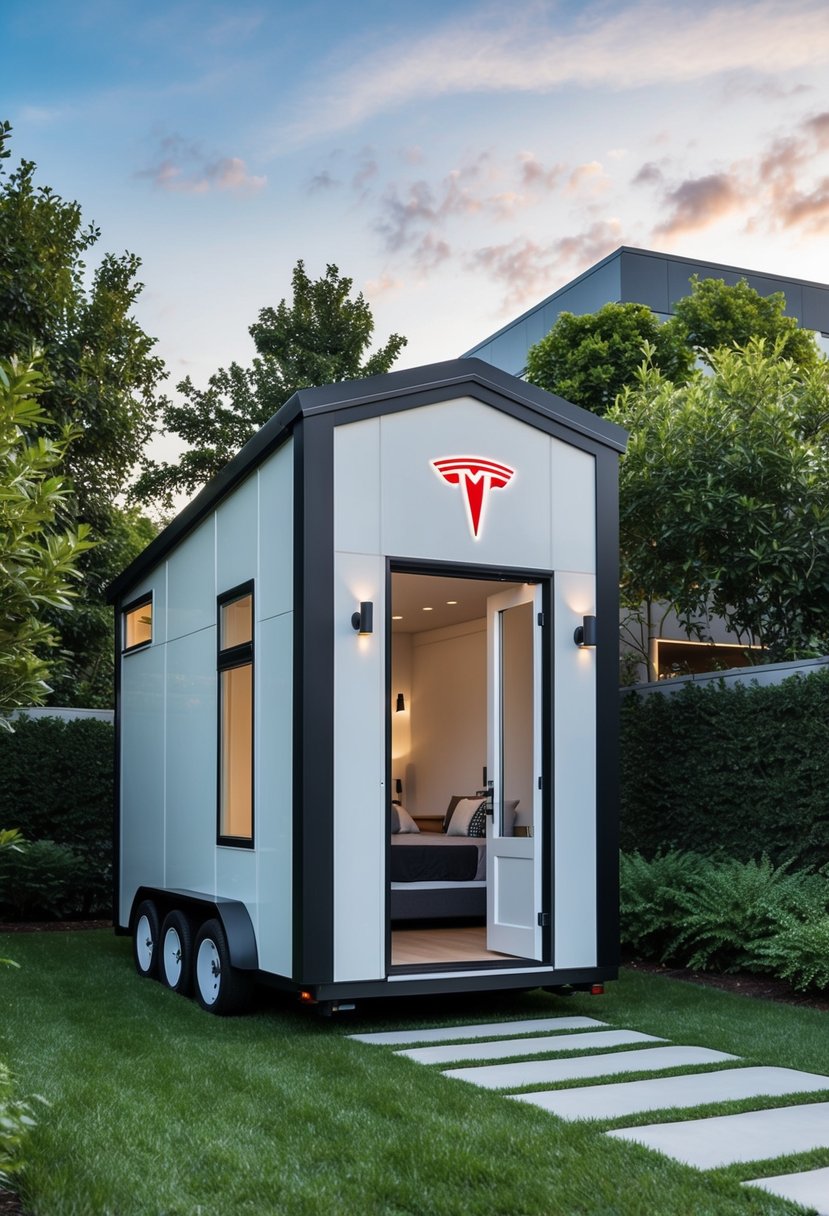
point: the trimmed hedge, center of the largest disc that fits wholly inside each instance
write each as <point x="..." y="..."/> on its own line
<point x="736" y="770"/>
<point x="56" y="784"/>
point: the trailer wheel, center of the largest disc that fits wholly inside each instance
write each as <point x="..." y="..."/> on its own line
<point x="145" y="940"/>
<point x="177" y="953"/>
<point x="220" y="988"/>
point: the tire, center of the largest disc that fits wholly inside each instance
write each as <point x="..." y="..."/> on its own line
<point x="176" y="953"/>
<point x="220" y="988"/>
<point x="145" y="939"/>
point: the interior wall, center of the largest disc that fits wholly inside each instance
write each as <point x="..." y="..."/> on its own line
<point x="448" y="716"/>
<point x="401" y="723"/>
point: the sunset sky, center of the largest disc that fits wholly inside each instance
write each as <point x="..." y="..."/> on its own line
<point x="460" y="160"/>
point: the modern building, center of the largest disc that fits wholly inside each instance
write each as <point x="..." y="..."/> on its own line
<point x="641" y="276"/>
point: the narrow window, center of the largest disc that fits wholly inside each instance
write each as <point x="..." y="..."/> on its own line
<point x="235" y="668"/>
<point x="138" y="624"/>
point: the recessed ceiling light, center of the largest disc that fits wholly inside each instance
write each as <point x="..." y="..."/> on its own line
<point x="397" y="618"/>
<point x="428" y="609"/>
<point x="451" y="601"/>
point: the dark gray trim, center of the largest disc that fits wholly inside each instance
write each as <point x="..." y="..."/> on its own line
<point x="487" y="980"/>
<point x="227" y="659"/>
<point x="233" y="914"/>
<point x="313" y="784"/>
<point x="116" y="776"/>
<point x="371" y="397"/>
<point x="607" y="709"/>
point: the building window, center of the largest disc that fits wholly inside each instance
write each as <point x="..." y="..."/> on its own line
<point x="138" y="624"/>
<point x="235" y="673"/>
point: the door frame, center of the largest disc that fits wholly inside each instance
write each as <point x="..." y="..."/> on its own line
<point x="506" y="574"/>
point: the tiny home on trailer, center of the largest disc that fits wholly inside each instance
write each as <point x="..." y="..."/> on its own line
<point x="367" y="701"/>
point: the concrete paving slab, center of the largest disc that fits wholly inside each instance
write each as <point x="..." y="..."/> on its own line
<point x="754" y="1136"/>
<point x="549" y="1072"/>
<point x="503" y="1048"/>
<point x="479" y="1030"/>
<point x="659" y="1093"/>
<point x="811" y="1188"/>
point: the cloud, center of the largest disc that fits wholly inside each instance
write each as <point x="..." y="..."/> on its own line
<point x="700" y="201"/>
<point x="536" y="176"/>
<point x="544" y="47"/>
<point x="184" y="168"/>
<point x="649" y="175"/>
<point x="431" y="253"/>
<point x="588" y="179"/>
<point x="385" y="285"/>
<point x="322" y="182"/>
<point x="596" y="242"/>
<point x="794" y="197"/>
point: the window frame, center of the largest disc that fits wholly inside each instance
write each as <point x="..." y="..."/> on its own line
<point x="228" y="659"/>
<point x="140" y="602"/>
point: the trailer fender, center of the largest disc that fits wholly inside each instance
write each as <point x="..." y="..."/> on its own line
<point x="232" y="913"/>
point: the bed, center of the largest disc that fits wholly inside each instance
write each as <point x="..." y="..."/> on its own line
<point x="434" y="876"/>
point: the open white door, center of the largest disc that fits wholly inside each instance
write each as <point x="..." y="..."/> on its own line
<point x="513" y="863"/>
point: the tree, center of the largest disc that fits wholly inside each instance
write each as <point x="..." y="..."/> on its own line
<point x="38" y="559"/>
<point x="717" y="314"/>
<point x="320" y="337"/>
<point x="102" y="381"/>
<point x="589" y="359"/>
<point x="724" y="502"/>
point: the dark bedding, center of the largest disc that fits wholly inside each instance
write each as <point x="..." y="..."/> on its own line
<point x="425" y="858"/>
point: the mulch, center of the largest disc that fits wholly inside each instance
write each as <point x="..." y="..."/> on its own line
<point x="741" y="983"/>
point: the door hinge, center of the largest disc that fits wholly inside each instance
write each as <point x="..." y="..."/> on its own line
<point x="544" y="919"/>
<point x="541" y="618"/>
<point x="540" y="784"/>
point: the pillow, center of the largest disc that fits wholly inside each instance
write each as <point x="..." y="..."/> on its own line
<point x="405" y="822"/>
<point x="395" y="820"/>
<point x="477" y="824"/>
<point x="450" y="810"/>
<point x="463" y="815"/>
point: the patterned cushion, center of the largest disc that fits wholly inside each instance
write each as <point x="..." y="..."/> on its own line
<point x="477" y="824"/>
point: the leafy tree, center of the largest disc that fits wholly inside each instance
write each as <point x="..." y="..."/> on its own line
<point x="320" y="337"/>
<point x="102" y="381"/>
<point x="724" y="502"/>
<point x="717" y="314"/>
<point x="38" y="559"/>
<point x="589" y="359"/>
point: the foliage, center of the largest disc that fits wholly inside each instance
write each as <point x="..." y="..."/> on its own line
<point x="724" y="502"/>
<point x="653" y="896"/>
<point x="44" y="878"/>
<point x="56" y="779"/>
<point x="16" y="1123"/>
<point x="320" y="337"/>
<point x="589" y="359"/>
<point x="718" y="314"/>
<point x="38" y="560"/>
<point x="11" y="841"/>
<point x="728" y="770"/>
<point x="799" y="952"/>
<point x="103" y="377"/>
<point x="720" y="914"/>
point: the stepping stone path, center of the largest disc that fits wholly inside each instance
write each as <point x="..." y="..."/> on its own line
<point x="750" y="1136"/>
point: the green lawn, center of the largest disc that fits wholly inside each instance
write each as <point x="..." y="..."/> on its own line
<point x="158" y="1109"/>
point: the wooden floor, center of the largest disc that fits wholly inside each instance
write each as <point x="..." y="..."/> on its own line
<point x="466" y="944"/>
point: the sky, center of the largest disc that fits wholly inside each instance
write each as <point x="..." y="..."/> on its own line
<point x="459" y="160"/>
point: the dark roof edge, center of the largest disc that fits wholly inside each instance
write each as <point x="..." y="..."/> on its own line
<point x="348" y="395"/>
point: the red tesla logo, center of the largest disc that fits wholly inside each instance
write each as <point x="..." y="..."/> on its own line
<point x="478" y="476"/>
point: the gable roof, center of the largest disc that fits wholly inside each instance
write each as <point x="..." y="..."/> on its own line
<point x="366" y="398"/>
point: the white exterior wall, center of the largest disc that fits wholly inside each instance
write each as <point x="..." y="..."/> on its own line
<point x="169" y="725"/>
<point x="389" y="502"/>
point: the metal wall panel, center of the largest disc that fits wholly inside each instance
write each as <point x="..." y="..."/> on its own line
<point x="273" y="793"/>
<point x="359" y="772"/>
<point x="237" y="536"/>
<point x="573" y="489"/>
<point x="142" y="774"/>
<point x="275" y="586"/>
<point x="190" y="755"/>
<point x="574" y="769"/>
<point x="191" y="583"/>
<point x="357" y="463"/>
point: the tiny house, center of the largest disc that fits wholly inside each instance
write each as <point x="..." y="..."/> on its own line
<point x="366" y="720"/>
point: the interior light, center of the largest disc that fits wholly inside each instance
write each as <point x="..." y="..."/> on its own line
<point x="428" y="609"/>
<point x="397" y="618"/>
<point x="401" y="704"/>
<point x="451" y="601"/>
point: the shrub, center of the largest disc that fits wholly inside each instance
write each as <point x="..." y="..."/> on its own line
<point x="16" y="1122"/>
<point x="732" y="771"/>
<point x="56" y="781"/>
<point x="44" y="877"/>
<point x="653" y="897"/>
<point x="799" y="953"/>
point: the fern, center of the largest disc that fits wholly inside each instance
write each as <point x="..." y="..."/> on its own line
<point x="653" y="895"/>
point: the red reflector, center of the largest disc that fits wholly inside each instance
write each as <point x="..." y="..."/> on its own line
<point x="308" y="997"/>
<point x="597" y="990"/>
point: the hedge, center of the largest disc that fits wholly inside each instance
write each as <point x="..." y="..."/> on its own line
<point x="739" y="770"/>
<point x="56" y="784"/>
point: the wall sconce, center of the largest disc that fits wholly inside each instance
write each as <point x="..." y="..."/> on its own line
<point x="401" y="704"/>
<point x="585" y="634"/>
<point x="363" y="621"/>
<point x="398" y="786"/>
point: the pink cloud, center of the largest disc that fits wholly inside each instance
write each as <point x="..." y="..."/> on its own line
<point x="700" y="201"/>
<point x="184" y="168"/>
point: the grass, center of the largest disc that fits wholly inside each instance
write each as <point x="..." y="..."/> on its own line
<point x="158" y="1109"/>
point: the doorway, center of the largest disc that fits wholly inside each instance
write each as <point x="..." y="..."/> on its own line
<point x="466" y="831"/>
